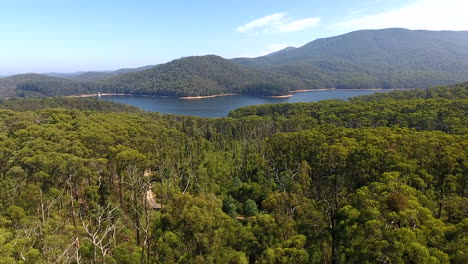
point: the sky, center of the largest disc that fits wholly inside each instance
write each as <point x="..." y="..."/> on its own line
<point x="82" y="35"/>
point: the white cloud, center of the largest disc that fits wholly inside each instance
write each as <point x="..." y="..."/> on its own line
<point x="420" y="14"/>
<point x="265" y="21"/>
<point x="279" y="22"/>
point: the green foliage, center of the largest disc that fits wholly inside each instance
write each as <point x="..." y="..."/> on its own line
<point x="35" y="104"/>
<point x="453" y="92"/>
<point x="250" y="208"/>
<point x="230" y="206"/>
<point x="378" y="179"/>
<point x="441" y="108"/>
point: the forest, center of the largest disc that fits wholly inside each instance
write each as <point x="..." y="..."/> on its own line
<point x="377" y="179"/>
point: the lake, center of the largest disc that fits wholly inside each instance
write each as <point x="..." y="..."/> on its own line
<point x="220" y="106"/>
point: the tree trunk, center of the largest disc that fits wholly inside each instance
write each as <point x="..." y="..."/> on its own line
<point x="335" y="257"/>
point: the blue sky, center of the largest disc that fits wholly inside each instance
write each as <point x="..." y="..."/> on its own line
<point x="67" y="35"/>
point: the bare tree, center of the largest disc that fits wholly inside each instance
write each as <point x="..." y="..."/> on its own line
<point x="143" y="199"/>
<point x="101" y="230"/>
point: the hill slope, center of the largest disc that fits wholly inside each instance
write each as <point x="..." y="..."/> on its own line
<point x="387" y="58"/>
<point x="200" y="76"/>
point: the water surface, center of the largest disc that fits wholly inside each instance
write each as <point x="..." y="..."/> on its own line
<point x="220" y="106"/>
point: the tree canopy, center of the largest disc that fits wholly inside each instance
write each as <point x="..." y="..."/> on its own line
<point x="379" y="179"/>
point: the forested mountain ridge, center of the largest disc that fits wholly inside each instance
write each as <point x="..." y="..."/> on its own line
<point x="199" y="76"/>
<point x="190" y="76"/>
<point x="384" y="47"/>
<point x="376" y="179"/>
<point x="387" y="58"/>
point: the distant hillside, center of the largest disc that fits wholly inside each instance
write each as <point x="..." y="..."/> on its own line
<point x="128" y="70"/>
<point x="102" y="75"/>
<point x="65" y="75"/>
<point x="387" y="58"/>
<point x="37" y="84"/>
<point x="200" y="76"/>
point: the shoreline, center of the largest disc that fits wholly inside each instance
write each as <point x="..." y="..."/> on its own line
<point x="279" y="96"/>
<point x="333" y="89"/>
<point x="203" y="96"/>
<point x="374" y="89"/>
<point x="92" y="95"/>
<point x="219" y="95"/>
<point x="314" y="90"/>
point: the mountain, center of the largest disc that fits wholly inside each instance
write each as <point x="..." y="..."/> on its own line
<point x="387" y="58"/>
<point x="200" y="76"/>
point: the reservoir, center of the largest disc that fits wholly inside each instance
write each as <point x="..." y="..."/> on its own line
<point x="220" y="106"/>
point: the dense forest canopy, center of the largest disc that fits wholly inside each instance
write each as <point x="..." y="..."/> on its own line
<point x="438" y="108"/>
<point x="84" y="104"/>
<point x="378" y="179"/>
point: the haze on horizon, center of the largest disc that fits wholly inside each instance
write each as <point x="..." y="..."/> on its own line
<point x="59" y="36"/>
